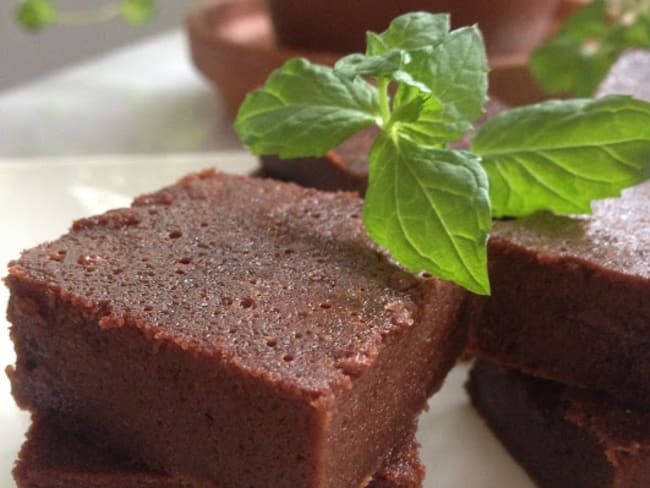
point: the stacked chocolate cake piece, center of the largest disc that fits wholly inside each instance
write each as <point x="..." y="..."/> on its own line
<point x="234" y="332"/>
<point x="564" y="340"/>
<point x="226" y="332"/>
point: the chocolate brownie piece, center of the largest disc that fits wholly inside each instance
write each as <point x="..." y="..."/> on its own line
<point x="346" y="166"/>
<point x="52" y="457"/>
<point x="232" y="329"/>
<point x="563" y="437"/>
<point x="571" y="297"/>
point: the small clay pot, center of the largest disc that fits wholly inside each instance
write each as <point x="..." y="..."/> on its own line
<point x="232" y="45"/>
<point x="508" y="26"/>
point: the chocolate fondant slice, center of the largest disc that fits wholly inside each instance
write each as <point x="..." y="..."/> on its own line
<point x="571" y="295"/>
<point x="238" y="330"/>
<point x="52" y="457"/>
<point x="563" y="437"/>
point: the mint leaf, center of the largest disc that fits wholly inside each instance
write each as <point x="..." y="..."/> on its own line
<point x="361" y="65"/>
<point x="387" y="65"/>
<point x="35" y="14"/>
<point x="430" y="208"/>
<point x="425" y="121"/>
<point x="590" y="20"/>
<point x="569" y="66"/>
<point x="560" y="155"/>
<point x="455" y="71"/>
<point x="305" y="109"/>
<point x="409" y="32"/>
<point x="137" y="11"/>
<point x="579" y="56"/>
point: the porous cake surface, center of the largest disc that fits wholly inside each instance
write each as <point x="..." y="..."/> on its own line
<point x="615" y="238"/>
<point x="564" y="437"/>
<point x="253" y="315"/>
<point x="275" y="279"/>
<point x="571" y="294"/>
<point x="571" y="297"/>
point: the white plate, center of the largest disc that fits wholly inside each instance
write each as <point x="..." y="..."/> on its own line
<point x="40" y="198"/>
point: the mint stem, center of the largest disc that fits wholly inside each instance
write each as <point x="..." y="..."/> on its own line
<point x="384" y="107"/>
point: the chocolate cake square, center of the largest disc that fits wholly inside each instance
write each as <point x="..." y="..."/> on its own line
<point x="53" y="457"/>
<point x="236" y="330"/>
<point x="571" y="297"/>
<point x="563" y="437"/>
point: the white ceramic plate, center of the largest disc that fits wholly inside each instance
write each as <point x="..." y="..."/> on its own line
<point x="39" y="198"/>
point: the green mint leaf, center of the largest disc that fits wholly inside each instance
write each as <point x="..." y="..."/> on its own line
<point x="636" y="34"/>
<point x="425" y="121"/>
<point x="383" y="65"/>
<point x="565" y="65"/>
<point x="579" y="56"/>
<point x="561" y="155"/>
<point x="137" y="11"/>
<point x="430" y="208"/>
<point x="455" y="71"/>
<point x="305" y="109"/>
<point x="387" y="65"/>
<point x="588" y="21"/>
<point x="35" y="14"/>
<point x="409" y="32"/>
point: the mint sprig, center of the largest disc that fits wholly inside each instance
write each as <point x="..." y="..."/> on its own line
<point x="429" y="206"/>
<point x="34" y="15"/>
<point x="580" y="54"/>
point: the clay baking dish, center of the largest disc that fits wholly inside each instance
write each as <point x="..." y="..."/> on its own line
<point x="232" y="44"/>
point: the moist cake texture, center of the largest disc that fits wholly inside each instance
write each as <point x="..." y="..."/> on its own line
<point x="236" y="330"/>
<point x="52" y="457"/>
<point x="571" y="297"/>
<point x="563" y="437"/>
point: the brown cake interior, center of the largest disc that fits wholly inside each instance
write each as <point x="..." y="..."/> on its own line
<point x="52" y="457"/>
<point x="563" y="437"/>
<point x="254" y="315"/>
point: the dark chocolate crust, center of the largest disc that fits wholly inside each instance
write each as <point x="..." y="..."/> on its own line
<point x="251" y="314"/>
<point x="52" y="457"/>
<point x="563" y="437"/>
